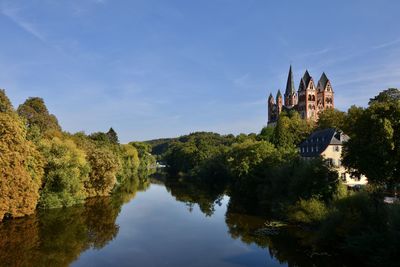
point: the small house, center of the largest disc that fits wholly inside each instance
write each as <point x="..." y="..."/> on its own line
<point x="328" y="143"/>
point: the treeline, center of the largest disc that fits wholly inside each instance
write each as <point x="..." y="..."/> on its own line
<point x="263" y="174"/>
<point x="45" y="167"/>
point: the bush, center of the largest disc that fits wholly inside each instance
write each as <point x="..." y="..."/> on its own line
<point x="311" y="211"/>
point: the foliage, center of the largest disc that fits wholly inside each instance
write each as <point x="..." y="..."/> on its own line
<point x="190" y="153"/>
<point x="311" y="211"/>
<point x="374" y="146"/>
<point x="129" y="162"/>
<point x="66" y="171"/>
<point x="20" y="165"/>
<point x="104" y="167"/>
<point x="331" y="118"/>
<point x="35" y="113"/>
<point x="112" y="136"/>
<point x="5" y="104"/>
<point x="290" y="130"/>
<point x="159" y="146"/>
<point x="267" y="134"/>
<point x="388" y="95"/>
<point x="147" y="160"/>
<point x="244" y="157"/>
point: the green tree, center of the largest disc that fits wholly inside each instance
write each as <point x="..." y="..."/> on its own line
<point x="290" y="130"/>
<point x="5" y="104"/>
<point x="129" y="162"/>
<point x="36" y="114"/>
<point x="244" y="157"/>
<point x="112" y="136"/>
<point x="374" y="146"/>
<point x="267" y="134"/>
<point x="331" y="118"/>
<point x="104" y="168"/>
<point x="146" y="159"/>
<point x="66" y="171"/>
<point x="388" y="95"/>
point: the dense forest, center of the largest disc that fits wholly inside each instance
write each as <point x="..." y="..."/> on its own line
<point x="43" y="166"/>
<point x="264" y="175"/>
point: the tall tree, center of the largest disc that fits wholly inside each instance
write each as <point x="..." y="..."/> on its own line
<point x="37" y="116"/>
<point x="21" y="166"/>
<point x="374" y="147"/>
<point x="112" y="136"/>
<point x="5" y="104"/>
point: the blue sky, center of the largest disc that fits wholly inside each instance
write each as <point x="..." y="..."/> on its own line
<point x="165" y="68"/>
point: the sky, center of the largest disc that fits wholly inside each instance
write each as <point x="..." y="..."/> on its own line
<point x="164" y="68"/>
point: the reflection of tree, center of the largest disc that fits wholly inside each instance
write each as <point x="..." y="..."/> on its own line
<point x="206" y="196"/>
<point x="56" y="237"/>
<point x="289" y="246"/>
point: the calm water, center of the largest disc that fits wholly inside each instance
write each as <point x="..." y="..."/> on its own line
<point x="148" y="225"/>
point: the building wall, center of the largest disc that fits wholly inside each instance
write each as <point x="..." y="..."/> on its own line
<point x="334" y="154"/>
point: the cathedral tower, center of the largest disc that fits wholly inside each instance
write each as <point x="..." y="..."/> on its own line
<point x="279" y="102"/>
<point x="307" y="105"/>
<point x="271" y="109"/>
<point x="290" y="93"/>
<point x="325" y="93"/>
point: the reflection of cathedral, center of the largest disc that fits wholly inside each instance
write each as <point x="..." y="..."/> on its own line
<point x="309" y="100"/>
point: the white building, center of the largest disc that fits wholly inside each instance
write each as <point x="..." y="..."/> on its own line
<point x="328" y="143"/>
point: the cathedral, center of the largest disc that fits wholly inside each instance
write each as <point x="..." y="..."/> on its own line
<point x="308" y="101"/>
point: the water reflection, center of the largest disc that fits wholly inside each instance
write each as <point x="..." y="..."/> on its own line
<point x="192" y="193"/>
<point x="290" y="246"/>
<point x="57" y="237"/>
<point x="153" y="230"/>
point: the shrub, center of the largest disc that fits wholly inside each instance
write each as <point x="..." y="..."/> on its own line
<point x="311" y="211"/>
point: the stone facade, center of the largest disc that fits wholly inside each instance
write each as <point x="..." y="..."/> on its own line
<point x="309" y="99"/>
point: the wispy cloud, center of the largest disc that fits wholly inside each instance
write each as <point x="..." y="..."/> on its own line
<point x="29" y="27"/>
<point x="386" y="44"/>
<point x="317" y="52"/>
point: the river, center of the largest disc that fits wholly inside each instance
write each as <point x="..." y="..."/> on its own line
<point x="147" y="225"/>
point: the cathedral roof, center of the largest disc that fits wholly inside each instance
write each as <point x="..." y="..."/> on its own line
<point x="278" y="94"/>
<point x="270" y="98"/>
<point x="323" y="80"/>
<point x="306" y="78"/>
<point x="290" y="90"/>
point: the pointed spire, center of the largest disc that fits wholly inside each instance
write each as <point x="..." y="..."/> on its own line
<point x="270" y="98"/>
<point x="290" y="83"/>
<point x="306" y="78"/>
<point x="278" y="94"/>
<point x="323" y="81"/>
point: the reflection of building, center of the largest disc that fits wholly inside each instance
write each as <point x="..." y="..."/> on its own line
<point x="309" y="100"/>
<point x="328" y="143"/>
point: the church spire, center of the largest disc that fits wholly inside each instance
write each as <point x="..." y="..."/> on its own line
<point x="290" y="83"/>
